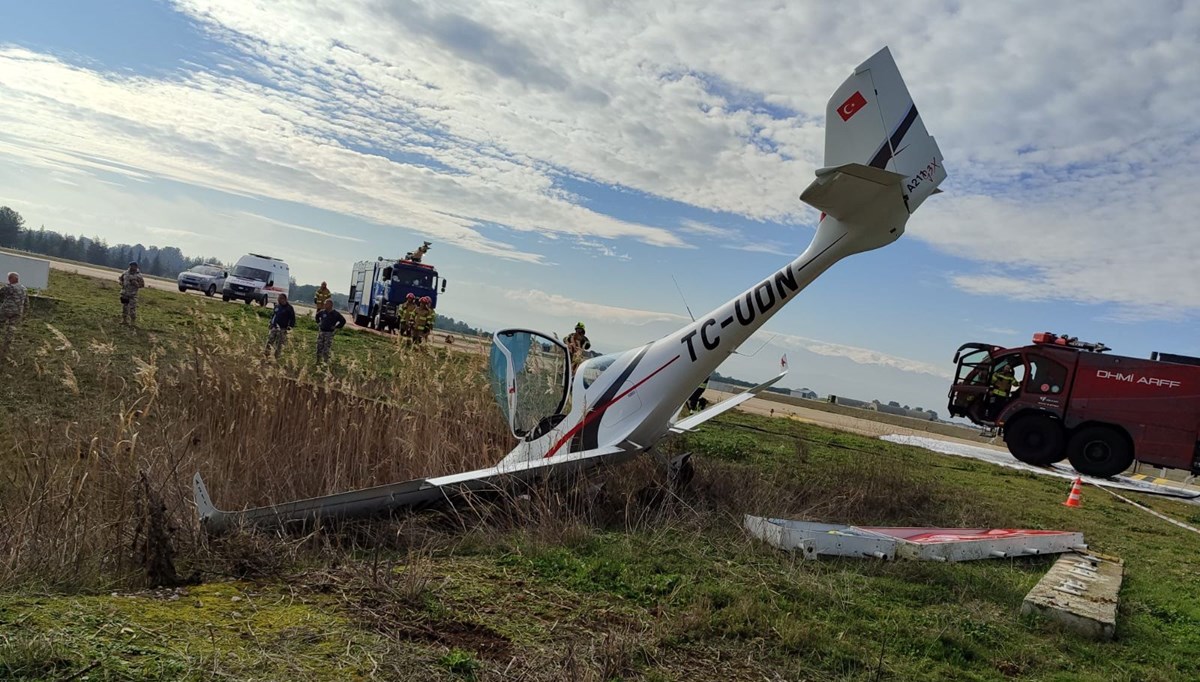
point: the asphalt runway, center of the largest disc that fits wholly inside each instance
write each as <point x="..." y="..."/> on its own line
<point x="1064" y="471"/>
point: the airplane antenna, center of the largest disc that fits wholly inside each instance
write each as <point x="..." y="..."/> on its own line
<point x="685" y="303"/>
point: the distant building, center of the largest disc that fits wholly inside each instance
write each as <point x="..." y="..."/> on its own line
<point x="848" y="402"/>
<point x="806" y="393"/>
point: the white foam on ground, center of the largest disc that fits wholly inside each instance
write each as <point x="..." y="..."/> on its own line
<point x="1005" y="459"/>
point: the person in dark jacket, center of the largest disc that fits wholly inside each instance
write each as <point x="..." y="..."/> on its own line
<point x="328" y="322"/>
<point x="282" y="322"/>
<point x="697" y="401"/>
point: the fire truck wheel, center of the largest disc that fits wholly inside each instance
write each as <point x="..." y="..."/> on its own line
<point x="1100" y="451"/>
<point x="1036" y="440"/>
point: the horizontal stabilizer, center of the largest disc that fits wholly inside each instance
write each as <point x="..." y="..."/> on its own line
<point x="841" y="191"/>
<point x="724" y="406"/>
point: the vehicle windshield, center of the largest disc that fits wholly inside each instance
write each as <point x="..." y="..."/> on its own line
<point x="207" y="271"/>
<point x="418" y="280"/>
<point x="973" y="367"/>
<point x="528" y="374"/>
<point x="596" y="366"/>
<point x="247" y="272"/>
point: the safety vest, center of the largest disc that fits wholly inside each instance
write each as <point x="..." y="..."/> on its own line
<point x="1002" y="382"/>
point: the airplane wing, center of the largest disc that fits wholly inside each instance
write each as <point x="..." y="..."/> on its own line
<point x="684" y="425"/>
<point x="412" y="494"/>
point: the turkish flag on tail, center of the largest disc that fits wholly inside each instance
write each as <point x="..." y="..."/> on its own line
<point x="851" y="106"/>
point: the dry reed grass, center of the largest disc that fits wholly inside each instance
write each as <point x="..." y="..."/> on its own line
<point x="72" y="505"/>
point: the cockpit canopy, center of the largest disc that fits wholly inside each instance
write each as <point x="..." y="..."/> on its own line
<point x="530" y="375"/>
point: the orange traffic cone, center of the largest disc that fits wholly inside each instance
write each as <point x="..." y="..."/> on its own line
<point x="1076" y="497"/>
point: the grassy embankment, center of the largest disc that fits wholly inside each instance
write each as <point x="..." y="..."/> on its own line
<point x="102" y="428"/>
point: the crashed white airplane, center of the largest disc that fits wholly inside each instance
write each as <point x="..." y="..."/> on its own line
<point x="881" y="164"/>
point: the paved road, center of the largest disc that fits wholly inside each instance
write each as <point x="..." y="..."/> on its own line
<point x="860" y="426"/>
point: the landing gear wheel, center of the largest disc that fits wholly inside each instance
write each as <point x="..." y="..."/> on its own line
<point x="1036" y="440"/>
<point x="1100" y="451"/>
<point x="211" y="291"/>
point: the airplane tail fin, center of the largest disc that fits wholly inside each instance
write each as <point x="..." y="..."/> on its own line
<point x="871" y="121"/>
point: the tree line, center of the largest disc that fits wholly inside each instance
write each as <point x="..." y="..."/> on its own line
<point x="166" y="261"/>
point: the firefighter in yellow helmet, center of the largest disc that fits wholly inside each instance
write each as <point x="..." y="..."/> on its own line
<point x="408" y="316"/>
<point x="578" y="345"/>
<point x="1003" y="380"/>
<point x="425" y="317"/>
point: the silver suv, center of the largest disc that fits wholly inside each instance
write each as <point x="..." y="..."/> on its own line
<point x="207" y="278"/>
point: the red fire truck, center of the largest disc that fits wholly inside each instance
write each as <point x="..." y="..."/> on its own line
<point x="1061" y="398"/>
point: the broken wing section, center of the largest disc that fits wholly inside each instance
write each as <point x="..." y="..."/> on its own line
<point x="689" y="423"/>
<point x="408" y="495"/>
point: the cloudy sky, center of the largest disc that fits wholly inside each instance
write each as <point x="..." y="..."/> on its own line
<point x="568" y="159"/>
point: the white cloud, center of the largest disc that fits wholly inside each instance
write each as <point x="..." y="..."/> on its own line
<point x="171" y="232"/>
<point x="1069" y="137"/>
<point x="706" y="230"/>
<point x="298" y="228"/>
<point x="563" y="306"/>
<point x="862" y="356"/>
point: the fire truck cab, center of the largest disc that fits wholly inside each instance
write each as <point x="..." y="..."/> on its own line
<point x="1060" y="398"/>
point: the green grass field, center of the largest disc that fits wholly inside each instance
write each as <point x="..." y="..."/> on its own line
<point x="586" y="584"/>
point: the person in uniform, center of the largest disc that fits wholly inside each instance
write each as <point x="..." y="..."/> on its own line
<point x="131" y="283"/>
<point x="328" y="322"/>
<point x="697" y="401"/>
<point x="578" y="344"/>
<point x="283" y="320"/>
<point x="13" y="300"/>
<point x="425" y="317"/>
<point x="408" y="316"/>
<point x="1002" y="382"/>
<point x="323" y="294"/>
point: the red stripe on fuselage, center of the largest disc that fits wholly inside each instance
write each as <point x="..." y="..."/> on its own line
<point x="598" y="411"/>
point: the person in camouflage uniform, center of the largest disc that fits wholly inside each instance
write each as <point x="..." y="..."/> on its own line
<point x="328" y="322"/>
<point x="12" y="307"/>
<point x="283" y="320"/>
<point x="131" y="283"/>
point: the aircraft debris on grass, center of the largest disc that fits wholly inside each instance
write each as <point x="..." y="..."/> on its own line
<point x="880" y="165"/>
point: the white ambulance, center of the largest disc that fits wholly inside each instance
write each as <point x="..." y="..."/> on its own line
<point x="256" y="278"/>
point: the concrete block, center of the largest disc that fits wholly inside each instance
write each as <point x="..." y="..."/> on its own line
<point x="1080" y="592"/>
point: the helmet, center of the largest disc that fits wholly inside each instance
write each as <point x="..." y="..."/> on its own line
<point x="133" y="264"/>
<point x="426" y="299"/>
<point x="579" y="326"/>
<point x="411" y="296"/>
